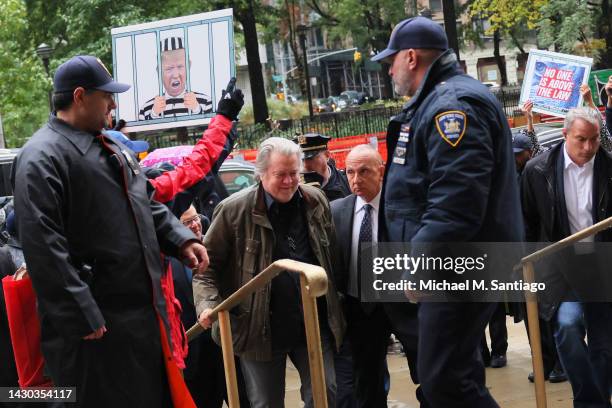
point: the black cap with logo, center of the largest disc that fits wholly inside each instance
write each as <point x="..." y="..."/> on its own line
<point x="88" y="72"/>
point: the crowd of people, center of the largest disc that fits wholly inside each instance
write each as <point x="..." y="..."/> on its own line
<point x="122" y="261"/>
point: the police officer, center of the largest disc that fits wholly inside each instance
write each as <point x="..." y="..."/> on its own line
<point x="450" y="177"/>
<point x="317" y="159"/>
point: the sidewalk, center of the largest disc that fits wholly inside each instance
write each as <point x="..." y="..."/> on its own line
<point x="508" y="385"/>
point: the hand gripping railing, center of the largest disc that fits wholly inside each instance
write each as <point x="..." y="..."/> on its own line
<point x="532" y="301"/>
<point x="313" y="283"/>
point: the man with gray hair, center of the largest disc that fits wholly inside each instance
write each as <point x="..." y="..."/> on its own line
<point x="276" y="219"/>
<point x="563" y="191"/>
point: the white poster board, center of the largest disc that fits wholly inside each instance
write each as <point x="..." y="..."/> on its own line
<point x="177" y="69"/>
<point x="552" y="81"/>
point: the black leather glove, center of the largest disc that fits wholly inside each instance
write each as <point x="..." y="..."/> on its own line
<point x="230" y="104"/>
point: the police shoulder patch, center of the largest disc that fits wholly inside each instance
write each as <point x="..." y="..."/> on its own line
<point x="451" y="125"/>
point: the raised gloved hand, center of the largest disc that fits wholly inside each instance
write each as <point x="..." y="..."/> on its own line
<point x="231" y="102"/>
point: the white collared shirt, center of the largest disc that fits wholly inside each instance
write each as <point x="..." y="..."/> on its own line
<point x="578" y="189"/>
<point x="358" y="214"/>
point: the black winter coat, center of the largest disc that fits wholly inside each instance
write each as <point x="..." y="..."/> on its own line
<point x="82" y="200"/>
<point x="545" y="215"/>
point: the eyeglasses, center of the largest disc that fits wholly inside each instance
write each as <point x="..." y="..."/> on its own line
<point x="194" y="219"/>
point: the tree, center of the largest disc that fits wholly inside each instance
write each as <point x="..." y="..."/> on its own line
<point x="368" y="22"/>
<point x="248" y="12"/>
<point x="568" y="26"/>
<point x="605" y="32"/>
<point x="23" y="82"/>
<point x="289" y="16"/>
<point x="507" y="19"/>
<point x="83" y="27"/>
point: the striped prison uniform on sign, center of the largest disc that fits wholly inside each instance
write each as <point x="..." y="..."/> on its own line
<point x="175" y="107"/>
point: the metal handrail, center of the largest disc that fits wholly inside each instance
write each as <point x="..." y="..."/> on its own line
<point x="313" y="283"/>
<point x="532" y="301"/>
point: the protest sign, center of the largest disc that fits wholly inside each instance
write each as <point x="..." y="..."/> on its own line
<point x="597" y="82"/>
<point x="177" y="69"/>
<point x="552" y="81"/>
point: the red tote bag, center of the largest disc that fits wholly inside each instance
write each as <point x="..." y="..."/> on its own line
<point x="25" y="331"/>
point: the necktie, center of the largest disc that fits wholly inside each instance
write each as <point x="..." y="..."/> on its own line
<point x="365" y="236"/>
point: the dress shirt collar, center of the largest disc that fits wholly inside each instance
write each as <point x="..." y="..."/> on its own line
<point x="360" y="202"/>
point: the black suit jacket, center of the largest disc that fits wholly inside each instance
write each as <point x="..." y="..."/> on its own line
<point x="401" y="315"/>
<point x="343" y="210"/>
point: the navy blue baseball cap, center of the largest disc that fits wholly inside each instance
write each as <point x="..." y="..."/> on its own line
<point x="87" y="72"/>
<point x="415" y="32"/>
<point x="521" y="143"/>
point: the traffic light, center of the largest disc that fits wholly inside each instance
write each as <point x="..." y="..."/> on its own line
<point x="357" y="57"/>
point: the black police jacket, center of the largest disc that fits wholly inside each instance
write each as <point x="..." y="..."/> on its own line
<point x="450" y="173"/>
<point x="337" y="186"/>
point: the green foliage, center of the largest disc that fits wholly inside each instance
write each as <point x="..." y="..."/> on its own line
<point x="568" y="26"/>
<point x="278" y="110"/>
<point x="510" y="18"/>
<point x="507" y="15"/>
<point x="23" y="83"/>
<point x="368" y="22"/>
<point x="71" y="27"/>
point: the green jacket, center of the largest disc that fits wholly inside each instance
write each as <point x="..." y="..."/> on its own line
<point x="240" y="244"/>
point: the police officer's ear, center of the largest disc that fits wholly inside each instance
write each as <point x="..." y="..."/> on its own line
<point x="412" y="58"/>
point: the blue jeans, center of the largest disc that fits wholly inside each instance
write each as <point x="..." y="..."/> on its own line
<point x="575" y="356"/>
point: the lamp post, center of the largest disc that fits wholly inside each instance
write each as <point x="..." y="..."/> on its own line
<point x="44" y="52"/>
<point x="302" y="33"/>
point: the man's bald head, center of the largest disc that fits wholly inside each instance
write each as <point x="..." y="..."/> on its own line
<point x="366" y="151"/>
<point x="364" y="170"/>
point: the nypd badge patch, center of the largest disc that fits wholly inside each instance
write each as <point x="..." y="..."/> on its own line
<point x="451" y="125"/>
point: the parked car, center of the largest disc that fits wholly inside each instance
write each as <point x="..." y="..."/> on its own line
<point x="293" y="98"/>
<point x="340" y="103"/>
<point x="237" y="174"/>
<point x="548" y="134"/>
<point x="323" y="105"/>
<point x="6" y="163"/>
<point x="355" y="97"/>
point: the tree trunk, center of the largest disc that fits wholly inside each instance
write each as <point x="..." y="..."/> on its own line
<point x="299" y="62"/>
<point x="295" y="49"/>
<point x="450" y="25"/>
<point x="258" y="90"/>
<point x="501" y="65"/>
